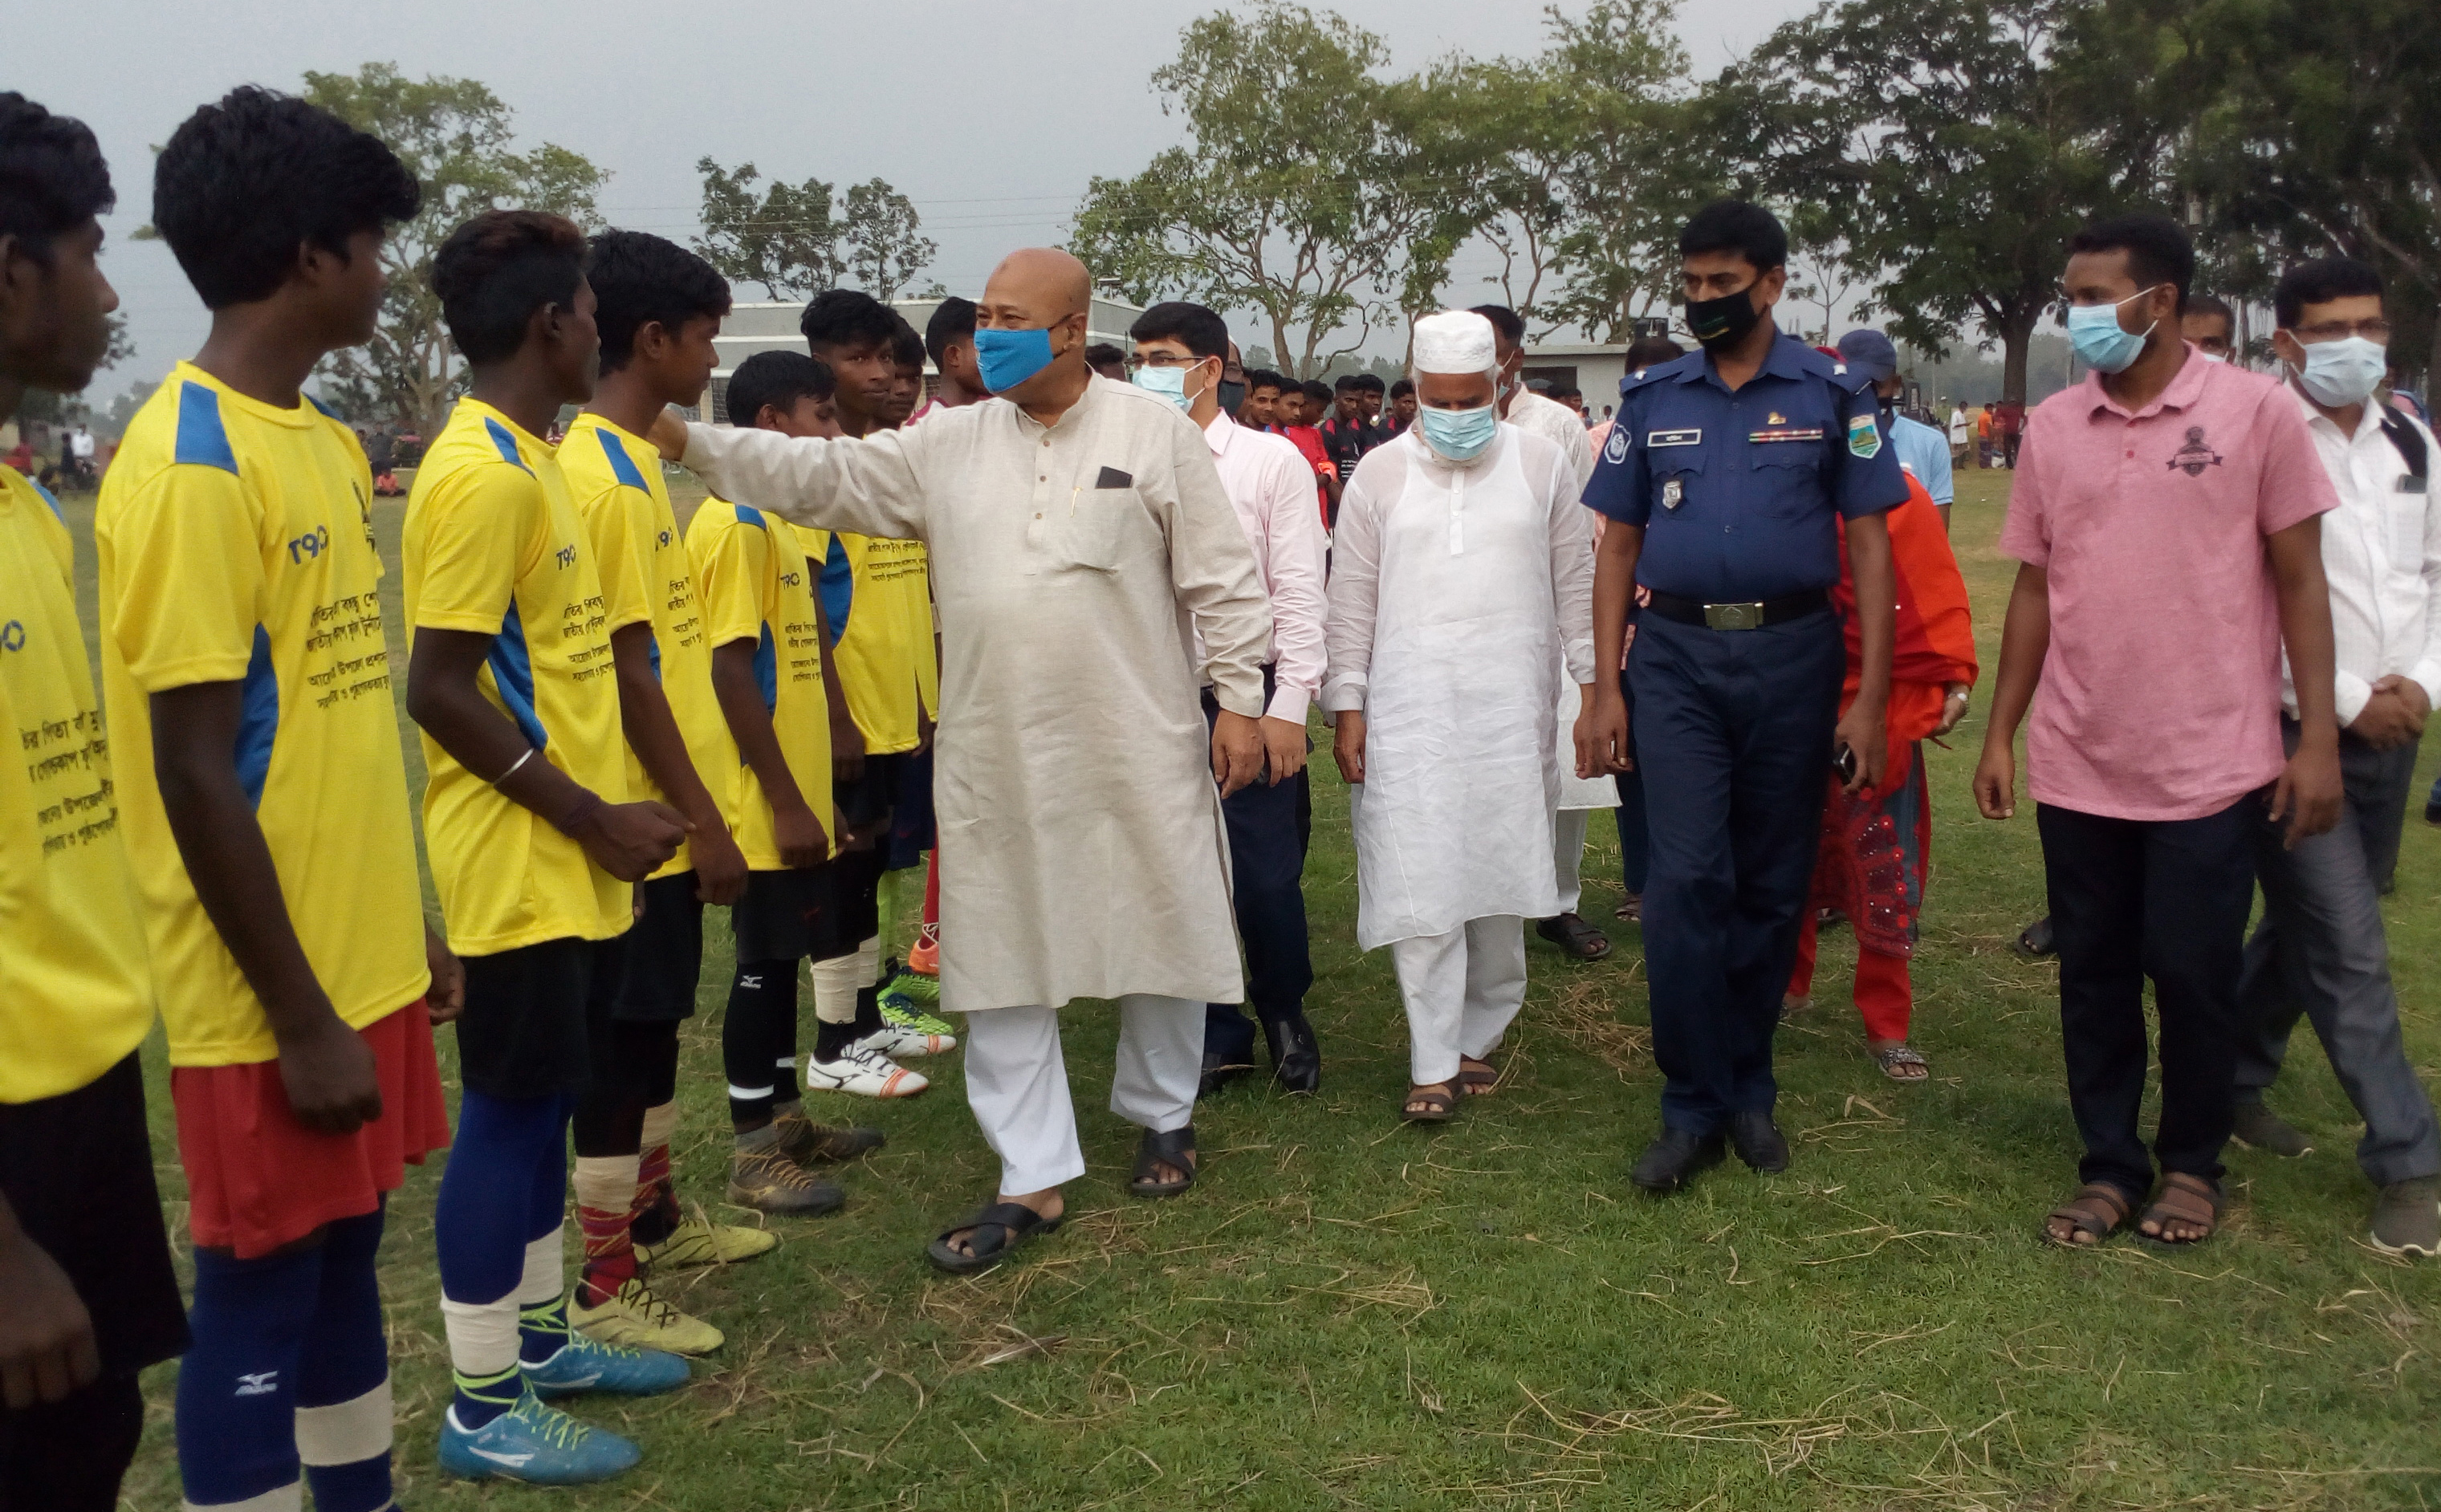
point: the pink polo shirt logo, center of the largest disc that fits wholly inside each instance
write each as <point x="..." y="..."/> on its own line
<point x="2195" y="456"/>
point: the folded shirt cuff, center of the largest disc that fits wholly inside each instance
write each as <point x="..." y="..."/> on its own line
<point x="2349" y="696"/>
<point x="1289" y="703"/>
<point x="1343" y="695"/>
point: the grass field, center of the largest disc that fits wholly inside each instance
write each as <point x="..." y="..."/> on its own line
<point x="1346" y="1312"/>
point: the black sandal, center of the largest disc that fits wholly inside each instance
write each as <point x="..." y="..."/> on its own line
<point x="996" y="1234"/>
<point x="2034" y="941"/>
<point x="1173" y="1148"/>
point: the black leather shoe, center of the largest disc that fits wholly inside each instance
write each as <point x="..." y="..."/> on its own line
<point x="1219" y="1072"/>
<point x="1672" y="1160"/>
<point x="1296" y="1056"/>
<point x="1759" y="1141"/>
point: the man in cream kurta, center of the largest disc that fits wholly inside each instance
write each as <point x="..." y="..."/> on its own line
<point x="1461" y="584"/>
<point x="1081" y="850"/>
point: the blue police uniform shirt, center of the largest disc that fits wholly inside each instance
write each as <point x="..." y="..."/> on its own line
<point x="1925" y="452"/>
<point x="1739" y="494"/>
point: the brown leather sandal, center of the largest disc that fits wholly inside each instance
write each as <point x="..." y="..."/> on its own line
<point x="2097" y="1211"/>
<point x="1434" y="1103"/>
<point x="2183" y="1198"/>
<point x="1476" y="1077"/>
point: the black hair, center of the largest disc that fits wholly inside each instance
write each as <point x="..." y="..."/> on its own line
<point x="841" y="318"/>
<point x="1369" y="381"/>
<point x="2157" y="252"/>
<point x="1349" y="383"/>
<point x="1102" y="353"/>
<point x="1263" y="378"/>
<point x="639" y="277"/>
<point x="1651" y="352"/>
<point x="1571" y="391"/>
<point x="1505" y="321"/>
<point x="1192" y="326"/>
<point x="1735" y="226"/>
<point x="906" y="347"/>
<point x="2212" y="304"/>
<point x="2319" y="283"/>
<point x="778" y="379"/>
<point x="953" y="320"/>
<point x="52" y="176"/>
<point x="1403" y="388"/>
<point x="244" y="182"/>
<point x="497" y="270"/>
<point x="1315" y="390"/>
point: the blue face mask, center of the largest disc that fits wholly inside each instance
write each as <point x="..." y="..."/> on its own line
<point x="1170" y="383"/>
<point x="1460" y="435"/>
<point x="1008" y="358"/>
<point x="2093" y="331"/>
<point x="2343" y="372"/>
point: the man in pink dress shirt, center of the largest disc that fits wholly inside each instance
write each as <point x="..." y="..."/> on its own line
<point x="1179" y="351"/>
<point x="2167" y="514"/>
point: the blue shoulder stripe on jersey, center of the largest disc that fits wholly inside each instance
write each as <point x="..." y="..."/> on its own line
<point x="653" y="656"/>
<point x="201" y="439"/>
<point x="836" y="587"/>
<point x="622" y="466"/>
<point x="328" y="413"/>
<point x="749" y="515"/>
<point x="513" y="676"/>
<point x="45" y="494"/>
<point x="258" y="721"/>
<point x="767" y="671"/>
<point x="506" y="442"/>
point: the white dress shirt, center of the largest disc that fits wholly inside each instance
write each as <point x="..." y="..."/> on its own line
<point x="1271" y="485"/>
<point x="2381" y="551"/>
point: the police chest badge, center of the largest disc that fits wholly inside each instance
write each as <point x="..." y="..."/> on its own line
<point x="1864" y="437"/>
<point x="1672" y="491"/>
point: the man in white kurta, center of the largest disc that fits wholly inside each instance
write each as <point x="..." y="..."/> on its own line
<point x="1079" y="538"/>
<point x="1462" y="585"/>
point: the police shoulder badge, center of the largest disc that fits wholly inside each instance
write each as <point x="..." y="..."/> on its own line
<point x="1864" y="437"/>
<point x="1615" y="450"/>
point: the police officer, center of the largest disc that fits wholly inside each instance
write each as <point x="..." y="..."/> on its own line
<point x="1724" y="480"/>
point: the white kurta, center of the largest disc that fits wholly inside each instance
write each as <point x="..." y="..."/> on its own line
<point x="1081" y="847"/>
<point x="1456" y="595"/>
<point x="1564" y="428"/>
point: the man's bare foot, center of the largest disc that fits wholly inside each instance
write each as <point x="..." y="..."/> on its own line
<point x="1046" y="1203"/>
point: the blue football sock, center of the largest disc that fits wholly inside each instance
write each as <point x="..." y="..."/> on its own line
<point x="508" y="1154"/>
<point x="343" y="1401"/>
<point x="237" y="1387"/>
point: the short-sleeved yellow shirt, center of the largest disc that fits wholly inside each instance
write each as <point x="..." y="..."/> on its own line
<point x="757" y="585"/>
<point x="494" y="545"/>
<point x="877" y="598"/>
<point x="76" y="996"/>
<point x="235" y="540"/>
<point x="647" y="577"/>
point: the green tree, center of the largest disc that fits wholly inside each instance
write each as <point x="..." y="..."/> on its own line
<point x="1297" y="194"/>
<point x="1942" y="143"/>
<point x="785" y="241"/>
<point x="455" y="135"/>
<point x="884" y="247"/>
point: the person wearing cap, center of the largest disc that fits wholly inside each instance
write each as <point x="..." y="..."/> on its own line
<point x="1458" y="600"/>
<point x="1922" y="450"/>
<point x="1727" y="478"/>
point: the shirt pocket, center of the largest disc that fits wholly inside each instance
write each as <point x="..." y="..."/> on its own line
<point x="1095" y="532"/>
<point x="1676" y="473"/>
<point x="2406" y="518"/>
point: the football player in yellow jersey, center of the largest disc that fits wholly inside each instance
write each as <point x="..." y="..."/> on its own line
<point x="85" y="1263"/>
<point x="534" y="843"/>
<point x="658" y="307"/>
<point x="889" y="678"/>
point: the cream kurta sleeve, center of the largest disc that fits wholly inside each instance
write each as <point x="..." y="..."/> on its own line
<point x="868" y="486"/>
<point x="1212" y="569"/>
<point x="1355" y="586"/>
<point x="1572" y="573"/>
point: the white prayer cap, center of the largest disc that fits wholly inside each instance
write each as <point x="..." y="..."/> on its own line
<point x="1455" y="341"/>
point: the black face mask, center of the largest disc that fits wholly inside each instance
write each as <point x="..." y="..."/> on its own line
<point x="1232" y="395"/>
<point x="1725" y="321"/>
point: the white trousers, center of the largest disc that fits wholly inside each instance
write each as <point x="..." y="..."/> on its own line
<point x="1568" y="855"/>
<point x="1017" y="1082"/>
<point x="1461" y="989"/>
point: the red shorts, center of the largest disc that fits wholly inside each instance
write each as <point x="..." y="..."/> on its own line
<point x="258" y="1179"/>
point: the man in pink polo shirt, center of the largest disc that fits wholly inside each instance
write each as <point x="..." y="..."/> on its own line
<point x="2166" y="512"/>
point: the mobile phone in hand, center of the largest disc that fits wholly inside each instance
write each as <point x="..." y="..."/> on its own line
<point x="1843" y="762"/>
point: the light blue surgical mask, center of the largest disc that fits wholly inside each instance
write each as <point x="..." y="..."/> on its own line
<point x="1008" y="358"/>
<point x="1460" y="435"/>
<point x="1170" y="383"/>
<point x="2343" y="372"/>
<point x="2101" y="345"/>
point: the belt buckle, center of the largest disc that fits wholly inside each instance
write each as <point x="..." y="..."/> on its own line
<point x="1733" y="615"/>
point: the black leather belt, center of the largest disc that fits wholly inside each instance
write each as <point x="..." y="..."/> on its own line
<point x="1750" y="616"/>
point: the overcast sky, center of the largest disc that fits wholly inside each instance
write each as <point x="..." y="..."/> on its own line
<point x="991" y="115"/>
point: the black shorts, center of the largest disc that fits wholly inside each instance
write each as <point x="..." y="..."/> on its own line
<point x="911" y="811"/>
<point x="867" y="802"/>
<point x="77" y="1169"/>
<point x="807" y="913"/>
<point x="532" y="1014"/>
<point x="664" y="954"/>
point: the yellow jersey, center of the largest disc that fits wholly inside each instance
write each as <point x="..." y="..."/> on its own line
<point x="757" y="585"/>
<point x="877" y="599"/>
<point x="493" y="547"/>
<point x="76" y="996"/>
<point x="648" y="578"/>
<point x="236" y="546"/>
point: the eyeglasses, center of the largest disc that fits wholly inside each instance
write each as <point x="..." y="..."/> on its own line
<point x="2374" y="329"/>
<point x="1163" y="359"/>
